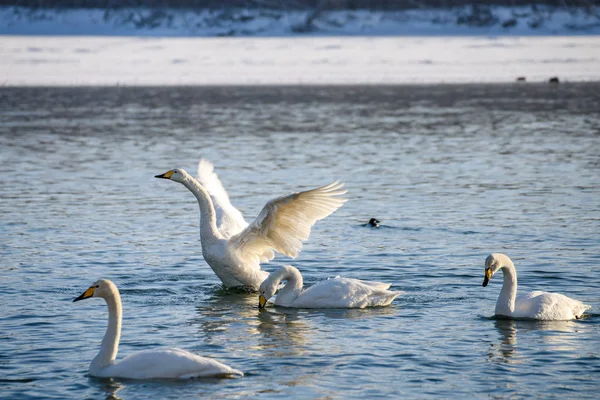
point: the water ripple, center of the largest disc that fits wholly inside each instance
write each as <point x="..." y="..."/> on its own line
<point x="453" y="172"/>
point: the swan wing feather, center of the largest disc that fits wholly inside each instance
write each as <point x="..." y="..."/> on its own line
<point x="345" y="293"/>
<point x="548" y="306"/>
<point x="285" y="222"/>
<point x="168" y="364"/>
<point x="229" y="219"/>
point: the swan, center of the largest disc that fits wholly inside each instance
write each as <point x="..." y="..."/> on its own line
<point x="233" y="248"/>
<point x="148" y="364"/>
<point x="332" y="293"/>
<point x="534" y="305"/>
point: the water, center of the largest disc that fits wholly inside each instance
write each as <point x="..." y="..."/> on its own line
<point x="453" y="172"/>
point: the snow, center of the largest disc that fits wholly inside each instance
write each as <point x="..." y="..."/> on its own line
<point x="89" y="60"/>
<point x="247" y="47"/>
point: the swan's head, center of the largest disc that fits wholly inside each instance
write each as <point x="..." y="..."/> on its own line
<point x="492" y="265"/>
<point x="266" y="291"/>
<point x="101" y="288"/>
<point x="271" y="285"/>
<point x="177" y="175"/>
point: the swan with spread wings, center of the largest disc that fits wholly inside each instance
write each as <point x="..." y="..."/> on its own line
<point x="233" y="248"/>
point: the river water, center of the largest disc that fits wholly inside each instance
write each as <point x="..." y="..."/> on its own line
<point x="454" y="172"/>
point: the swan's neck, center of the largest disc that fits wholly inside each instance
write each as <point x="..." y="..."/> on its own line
<point x="208" y="218"/>
<point x="110" y="342"/>
<point x="506" y="301"/>
<point x="293" y="287"/>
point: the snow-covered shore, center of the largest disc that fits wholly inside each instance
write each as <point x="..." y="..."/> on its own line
<point x="463" y="21"/>
<point x="85" y="60"/>
<point x="144" y="46"/>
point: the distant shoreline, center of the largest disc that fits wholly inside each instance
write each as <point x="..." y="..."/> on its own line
<point x="461" y="20"/>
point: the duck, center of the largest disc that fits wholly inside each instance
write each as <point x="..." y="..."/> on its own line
<point x="170" y="363"/>
<point x="336" y="292"/>
<point x="373" y="222"/>
<point x="235" y="249"/>
<point x="536" y="305"/>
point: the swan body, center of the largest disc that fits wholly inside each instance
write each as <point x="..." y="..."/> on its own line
<point x="332" y="293"/>
<point x="148" y="364"/>
<point x="233" y="248"/>
<point x="535" y="305"/>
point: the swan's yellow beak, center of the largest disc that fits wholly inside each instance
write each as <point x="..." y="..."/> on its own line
<point x="88" y="293"/>
<point x="166" y="175"/>
<point x="262" y="300"/>
<point x="488" y="276"/>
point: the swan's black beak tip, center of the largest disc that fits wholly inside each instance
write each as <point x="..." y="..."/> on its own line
<point x="488" y="276"/>
<point x="87" y="294"/>
<point x="79" y="298"/>
<point x="166" y="175"/>
<point x="262" y="301"/>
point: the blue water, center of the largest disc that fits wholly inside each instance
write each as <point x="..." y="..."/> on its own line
<point x="453" y="172"/>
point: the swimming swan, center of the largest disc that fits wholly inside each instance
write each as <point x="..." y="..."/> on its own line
<point x="534" y="305"/>
<point x="234" y="249"/>
<point x="332" y="293"/>
<point x="148" y="364"/>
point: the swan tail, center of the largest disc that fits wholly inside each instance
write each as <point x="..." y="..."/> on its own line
<point x="383" y="299"/>
<point x="580" y="310"/>
<point x="221" y="374"/>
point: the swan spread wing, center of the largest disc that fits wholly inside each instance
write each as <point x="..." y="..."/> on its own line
<point x="230" y="220"/>
<point x="285" y="222"/>
<point x="168" y="363"/>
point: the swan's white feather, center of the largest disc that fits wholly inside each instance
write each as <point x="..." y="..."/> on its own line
<point x="167" y="364"/>
<point x="548" y="306"/>
<point x="344" y="293"/>
<point x="230" y="220"/>
<point x="285" y="222"/>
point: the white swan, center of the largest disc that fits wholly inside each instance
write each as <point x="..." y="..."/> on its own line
<point x="534" y="305"/>
<point x="234" y="249"/>
<point x="149" y="364"/>
<point x="332" y="293"/>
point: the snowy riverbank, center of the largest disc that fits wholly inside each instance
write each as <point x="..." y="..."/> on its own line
<point x="85" y="60"/>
